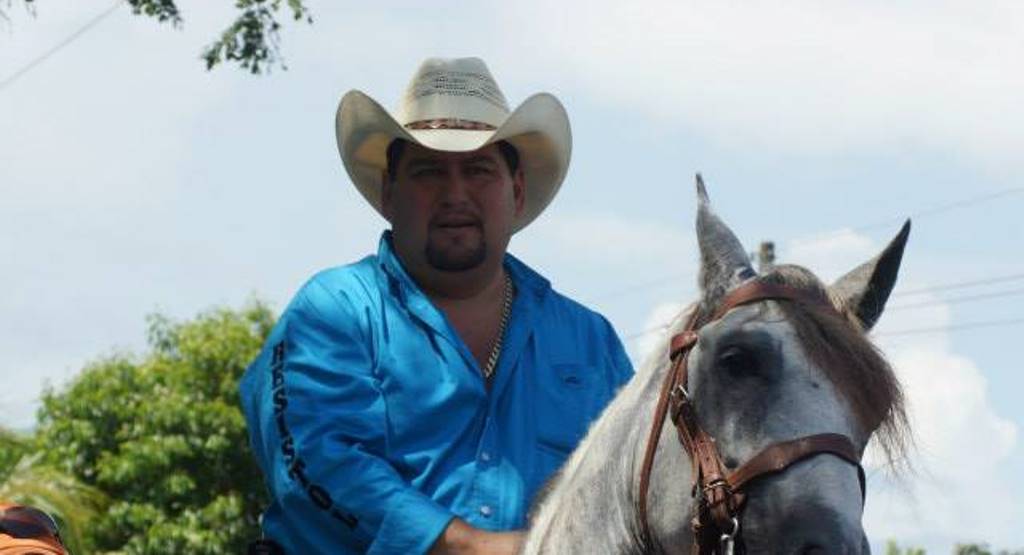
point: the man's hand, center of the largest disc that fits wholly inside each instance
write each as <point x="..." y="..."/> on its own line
<point x="460" y="538"/>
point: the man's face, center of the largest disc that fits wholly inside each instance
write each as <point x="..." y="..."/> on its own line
<point x="452" y="210"/>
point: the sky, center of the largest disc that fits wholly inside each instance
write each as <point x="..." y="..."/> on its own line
<point x="132" y="181"/>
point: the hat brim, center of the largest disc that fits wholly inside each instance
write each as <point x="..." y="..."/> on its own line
<point x="538" y="128"/>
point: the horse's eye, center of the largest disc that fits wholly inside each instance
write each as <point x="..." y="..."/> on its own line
<point x="737" y="361"/>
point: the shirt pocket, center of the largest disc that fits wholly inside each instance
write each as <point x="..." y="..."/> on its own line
<point x="565" y="409"/>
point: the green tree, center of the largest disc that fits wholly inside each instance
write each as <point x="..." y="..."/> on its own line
<point x="252" y="40"/>
<point x="981" y="549"/>
<point x="12" y="447"/>
<point x="163" y="436"/>
<point x="972" y="549"/>
<point x="893" y="548"/>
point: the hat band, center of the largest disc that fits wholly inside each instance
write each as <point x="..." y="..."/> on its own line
<point x="450" y="123"/>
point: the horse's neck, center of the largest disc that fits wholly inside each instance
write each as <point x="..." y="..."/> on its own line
<point x="592" y="501"/>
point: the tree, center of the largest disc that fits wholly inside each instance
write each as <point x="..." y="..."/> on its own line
<point x="893" y="548"/>
<point x="252" y="40"/>
<point x="163" y="436"/>
<point x="981" y="549"/>
<point x="12" y="447"/>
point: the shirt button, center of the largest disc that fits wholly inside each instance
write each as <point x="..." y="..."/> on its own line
<point x="485" y="456"/>
<point x="485" y="510"/>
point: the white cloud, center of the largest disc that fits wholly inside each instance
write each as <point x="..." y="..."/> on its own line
<point x="616" y="240"/>
<point x="655" y="331"/>
<point x="962" y="450"/>
<point x="20" y="410"/>
<point x="22" y="391"/>
<point x="602" y="248"/>
<point x="819" y="253"/>
<point x="962" y="444"/>
<point x="616" y="264"/>
<point x="798" y="76"/>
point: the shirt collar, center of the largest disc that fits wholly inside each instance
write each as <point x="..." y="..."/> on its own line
<point x="393" y="267"/>
<point x="531" y="289"/>
<point x="524" y="277"/>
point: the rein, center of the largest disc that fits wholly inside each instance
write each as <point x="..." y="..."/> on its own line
<point x="719" y="492"/>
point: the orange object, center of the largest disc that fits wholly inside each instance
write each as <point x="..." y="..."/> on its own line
<point x="28" y="531"/>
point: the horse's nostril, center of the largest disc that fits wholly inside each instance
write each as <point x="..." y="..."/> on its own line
<point x="813" y="550"/>
<point x="731" y="463"/>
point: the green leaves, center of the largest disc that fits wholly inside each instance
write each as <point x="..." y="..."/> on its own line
<point x="163" y="436"/>
<point x="13" y="447"/>
<point x="162" y="10"/>
<point x="252" y="40"/>
<point x="892" y="548"/>
<point x="981" y="549"/>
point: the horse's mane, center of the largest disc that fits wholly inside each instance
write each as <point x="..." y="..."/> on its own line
<point x="836" y="343"/>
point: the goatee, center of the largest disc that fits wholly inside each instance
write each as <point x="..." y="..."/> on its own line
<point x="456" y="258"/>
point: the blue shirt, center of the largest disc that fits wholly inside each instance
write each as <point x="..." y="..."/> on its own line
<point x="370" y="420"/>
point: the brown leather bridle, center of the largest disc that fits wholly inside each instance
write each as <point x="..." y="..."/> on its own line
<point x="718" y="492"/>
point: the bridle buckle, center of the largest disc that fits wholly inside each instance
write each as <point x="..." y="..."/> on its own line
<point x="719" y="483"/>
<point x="680" y="394"/>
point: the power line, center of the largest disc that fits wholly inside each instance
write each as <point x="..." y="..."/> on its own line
<point x="970" y="201"/>
<point x="647" y="331"/>
<point x="918" y="291"/>
<point x="962" y="203"/>
<point x="959" y="285"/>
<point x="896" y="333"/>
<point x="964" y="326"/>
<point x="907" y="293"/>
<point x="71" y="38"/>
<point x="954" y="300"/>
<point x="637" y="287"/>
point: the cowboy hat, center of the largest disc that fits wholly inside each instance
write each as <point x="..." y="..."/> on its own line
<point x="455" y="105"/>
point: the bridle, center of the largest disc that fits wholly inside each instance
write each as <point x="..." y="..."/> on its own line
<point x="720" y="493"/>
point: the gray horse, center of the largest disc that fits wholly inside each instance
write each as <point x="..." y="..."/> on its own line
<point x="764" y="373"/>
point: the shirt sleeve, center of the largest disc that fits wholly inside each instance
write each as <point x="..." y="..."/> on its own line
<point x="324" y="433"/>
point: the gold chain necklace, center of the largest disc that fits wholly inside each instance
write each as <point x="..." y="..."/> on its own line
<point x="506" y="310"/>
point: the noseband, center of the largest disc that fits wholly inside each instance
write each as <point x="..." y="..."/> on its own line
<point x="718" y="492"/>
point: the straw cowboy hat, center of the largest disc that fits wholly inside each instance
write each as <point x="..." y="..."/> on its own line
<point x="454" y="105"/>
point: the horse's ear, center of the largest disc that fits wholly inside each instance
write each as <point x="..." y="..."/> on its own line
<point x="865" y="289"/>
<point x="724" y="262"/>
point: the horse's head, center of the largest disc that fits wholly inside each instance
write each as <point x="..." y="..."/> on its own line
<point x="772" y="371"/>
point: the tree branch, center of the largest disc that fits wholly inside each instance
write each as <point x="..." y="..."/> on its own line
<point x="252" y="40"/>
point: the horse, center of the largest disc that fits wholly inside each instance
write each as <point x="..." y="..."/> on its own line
<point x="767" y="371"/>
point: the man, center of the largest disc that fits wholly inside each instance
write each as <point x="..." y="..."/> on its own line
<point x="417" y="400"/>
